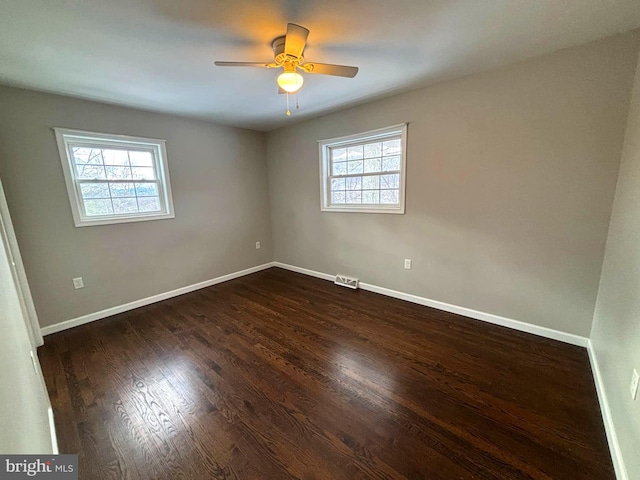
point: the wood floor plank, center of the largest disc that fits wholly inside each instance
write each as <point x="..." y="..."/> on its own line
<point x="281" y="376"/>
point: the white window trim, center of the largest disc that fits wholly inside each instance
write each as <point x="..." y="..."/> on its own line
<point x="64" y="135"/>
<point x="325" y="189"/>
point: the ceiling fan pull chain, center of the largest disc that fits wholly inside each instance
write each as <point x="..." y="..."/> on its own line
<point x="297" y="104"/>
<point x="288" y="111"/>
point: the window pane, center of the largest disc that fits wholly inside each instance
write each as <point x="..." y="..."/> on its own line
<point x="122" y="190"/>
<point x="371" y="196"/>
<point x="354" y="183"/>
<point x="83" y="156"/>
<point x="339" y="154"/>
<point x="391" y="163"/>
<point x="354" y="196"/>
<point x="372" y="165"/>
<point x="141" y="159"/>
<point x="143" y="173"/>
<point x="389" y="196"/>
<point x="115" y="157"/>
<point x="94" y="190"/>
<point x="125" y="205"/>
<point x="338" y="184"/>
<point x="390" y="181"/>
<point x="354" y="166"/>
<point x="340" y="168"/>
<point x="371" y="182"/>
<point x="354" y="153"/>
<point x="98" y="207"/>
<point x="372" y="150"/>
<point x="391" y="147"/>
<point x="118" y="173"/>
<point x="149" y="204"/>
<point x="90" y="172"/>
<point x="338" y="197"/>
<point x="146" y="189"/>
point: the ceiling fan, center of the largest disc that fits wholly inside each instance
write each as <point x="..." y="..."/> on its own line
<point x="287" y="52"/>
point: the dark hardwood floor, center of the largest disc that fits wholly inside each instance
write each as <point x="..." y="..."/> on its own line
<point x="280" y="376"/>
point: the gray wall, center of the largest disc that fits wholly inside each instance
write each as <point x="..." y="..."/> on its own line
<point x="510" y="182"/>
<point x="219" y="189"/>
<point x="616" y="327"/>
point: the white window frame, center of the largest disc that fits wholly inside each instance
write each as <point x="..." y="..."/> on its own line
<point x="66" y="138"/>
<point x="380" y="134"/>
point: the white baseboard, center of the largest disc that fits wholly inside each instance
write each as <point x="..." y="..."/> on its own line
<point x="616" y="454"/>
<point x="52" y="430"/>
<point x="74" y="322"/>
<point x="447" y="307"/>
<point x="612" y="438"/>
<point x="305" y="271"/>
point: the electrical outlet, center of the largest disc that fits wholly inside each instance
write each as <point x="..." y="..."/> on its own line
<point x="257" y="245"/>
<point x="407" y="264"/>
<point x="78" y="283"/>
<point x="633" y="388"/>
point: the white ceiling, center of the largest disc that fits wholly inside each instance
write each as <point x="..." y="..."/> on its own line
<point x="159" y="54"/>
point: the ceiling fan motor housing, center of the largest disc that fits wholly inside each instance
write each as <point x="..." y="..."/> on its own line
<point x="287" y="54"/>
<point x="278" y="52"/>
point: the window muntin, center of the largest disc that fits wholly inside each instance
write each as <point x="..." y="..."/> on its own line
<point x="114" y="179"/>
<point x="364" y="172"/>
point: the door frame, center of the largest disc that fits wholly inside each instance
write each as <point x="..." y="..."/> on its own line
<point x="8" y="236"/>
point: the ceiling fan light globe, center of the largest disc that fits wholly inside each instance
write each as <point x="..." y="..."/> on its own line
<point x="290" y="82"/>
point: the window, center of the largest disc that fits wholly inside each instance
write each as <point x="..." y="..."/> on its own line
<point x="364" y="172"/>
<point x="114" y="178"/>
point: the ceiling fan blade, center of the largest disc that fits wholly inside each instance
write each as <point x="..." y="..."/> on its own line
<point x="329" y="69"/>
<point x="295" y="40"/>
<point x="245" y="64"/>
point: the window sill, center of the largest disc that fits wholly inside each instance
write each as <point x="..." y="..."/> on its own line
<point x="114" y="220"/>
<point x="376" y="209"/>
